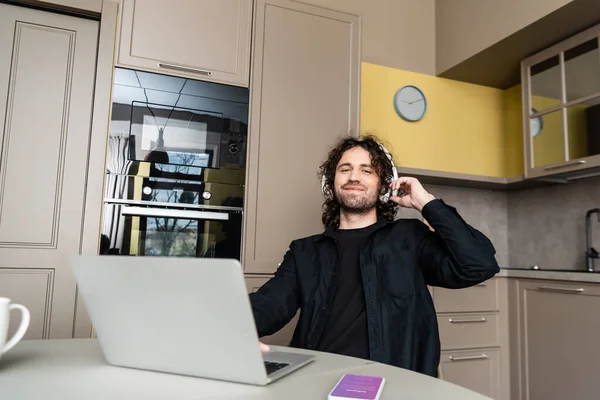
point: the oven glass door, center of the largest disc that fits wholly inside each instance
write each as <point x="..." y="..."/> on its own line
<point x="153" y="231"/>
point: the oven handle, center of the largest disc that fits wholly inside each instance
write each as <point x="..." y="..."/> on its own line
<point x="166" y="213"/>
<point x="170" y="205"/>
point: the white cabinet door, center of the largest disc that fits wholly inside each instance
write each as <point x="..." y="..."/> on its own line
<point x="47" y="70"/>
<point x="558" y="345"/>
<point x="305" y="84"/>
<point x="199" y="39"/>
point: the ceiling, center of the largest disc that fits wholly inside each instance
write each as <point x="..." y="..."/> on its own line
<point x="499" y="65"/>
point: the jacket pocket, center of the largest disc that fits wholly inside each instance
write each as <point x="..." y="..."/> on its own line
<point x="396" y="275"/>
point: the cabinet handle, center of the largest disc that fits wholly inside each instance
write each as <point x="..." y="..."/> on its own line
<point x="463" y="321"/>
<point x="561" y="289"/>
<point x="185" y="69"/>
<point x="467" y="358"/>
<point x="569" y="164"/>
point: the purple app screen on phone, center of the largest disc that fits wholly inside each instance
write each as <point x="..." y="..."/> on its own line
<point x="358" y="387"/>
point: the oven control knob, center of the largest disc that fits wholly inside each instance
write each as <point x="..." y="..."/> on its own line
<point x="147" y="190"/>
<point x="233" y="148"/>
<point x="206" y="195"/>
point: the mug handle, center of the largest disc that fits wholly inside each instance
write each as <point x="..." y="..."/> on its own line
<point x="25" y="317"/>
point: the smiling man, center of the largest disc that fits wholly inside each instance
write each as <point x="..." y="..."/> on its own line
<point x="361" y="285"/>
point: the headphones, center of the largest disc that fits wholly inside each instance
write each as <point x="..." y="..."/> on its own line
<point x="386" y="196"/>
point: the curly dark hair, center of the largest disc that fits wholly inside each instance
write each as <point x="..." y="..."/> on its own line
<point x="381" y="164"/>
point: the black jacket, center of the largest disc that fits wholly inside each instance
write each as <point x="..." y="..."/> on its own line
<point x="398" y="260"/>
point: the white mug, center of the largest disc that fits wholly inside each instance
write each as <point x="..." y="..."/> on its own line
<point x="5" y="308"/>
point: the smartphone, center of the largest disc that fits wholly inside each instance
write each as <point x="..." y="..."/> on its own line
<point x="353" y="387"/>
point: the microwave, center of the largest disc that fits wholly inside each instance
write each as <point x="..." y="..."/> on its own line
<point x="172" y="127"/>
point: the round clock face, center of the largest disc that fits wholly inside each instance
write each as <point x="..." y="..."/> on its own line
<point x="536" y="124"/>
<point x="410" y="103"/>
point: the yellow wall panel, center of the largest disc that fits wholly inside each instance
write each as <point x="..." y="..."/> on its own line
<point x="463" y="130"/>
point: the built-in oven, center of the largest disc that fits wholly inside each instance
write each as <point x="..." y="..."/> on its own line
<point x="175" y="167"/>
<point x="161" y="217"/>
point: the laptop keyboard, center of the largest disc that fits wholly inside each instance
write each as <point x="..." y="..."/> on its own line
<point x="273" y="366"/>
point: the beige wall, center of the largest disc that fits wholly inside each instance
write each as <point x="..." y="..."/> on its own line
<point x="395" y="33"/>
<point x="463" y="28"/>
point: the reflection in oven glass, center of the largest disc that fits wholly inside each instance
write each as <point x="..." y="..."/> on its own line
<point x="171" y="195"/>
<point x="172" y="237"/>
<point x="162" y="217"/>
<point x="164" y="231"/>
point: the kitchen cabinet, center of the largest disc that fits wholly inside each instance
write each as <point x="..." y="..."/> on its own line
<point x="207" y="40"/>
<point x="473" y="369"/>
<point x="464" y="331"/>
<point x="473" y="325"/>
<point x="304" y="95"/>
<point x="561" y="93"/>
<point x="48" y="66"/>
<point x="556" y="349"/>
<point x="283" y="337"/>
<point x="481" y="297"/>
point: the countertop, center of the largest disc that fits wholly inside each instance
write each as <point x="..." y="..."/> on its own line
<point x="76" y="369"/>
<point x="548" y="274"/>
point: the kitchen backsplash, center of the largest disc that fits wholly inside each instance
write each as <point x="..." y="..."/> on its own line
<point x="485" y="210"/>
<point x="544" y="226"/>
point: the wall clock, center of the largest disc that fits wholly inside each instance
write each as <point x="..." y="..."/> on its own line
<point x="410" y="103"/>
<point x="535" y="124"/>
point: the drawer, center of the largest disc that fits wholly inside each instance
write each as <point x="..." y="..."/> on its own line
<point x="482" y="297"/>
<point x="477" y="370"/>
<point x="460" y="331"/>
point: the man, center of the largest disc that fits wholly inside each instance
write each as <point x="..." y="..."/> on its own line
<point x="362" y="284"/>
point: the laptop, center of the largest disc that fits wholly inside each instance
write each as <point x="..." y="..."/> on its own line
<point x="188" y="316"/>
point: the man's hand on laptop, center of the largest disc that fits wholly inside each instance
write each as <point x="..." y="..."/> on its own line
<point x="263" y="347"/>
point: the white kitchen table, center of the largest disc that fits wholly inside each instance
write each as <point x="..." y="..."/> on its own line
<point x="76" y="369"/>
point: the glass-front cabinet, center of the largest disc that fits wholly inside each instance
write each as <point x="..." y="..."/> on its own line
<point x="561" y="107"/>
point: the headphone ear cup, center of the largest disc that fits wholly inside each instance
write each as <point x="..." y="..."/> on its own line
<point x="385" y="198"/>
<point x="323" y="181"/>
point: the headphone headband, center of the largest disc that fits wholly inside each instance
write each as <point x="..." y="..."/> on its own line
<point x="386" y="196"/>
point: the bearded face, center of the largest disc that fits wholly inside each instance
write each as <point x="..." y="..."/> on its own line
<point x="356" y="184"/>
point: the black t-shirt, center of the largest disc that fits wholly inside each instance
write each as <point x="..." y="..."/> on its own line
<point x="345" y="331"/>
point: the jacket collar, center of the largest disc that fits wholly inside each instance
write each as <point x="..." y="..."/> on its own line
<point x="329" y="232"/>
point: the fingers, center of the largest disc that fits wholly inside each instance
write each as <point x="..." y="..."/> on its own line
<point x="263" y="347"/>
<point x="403" y="182"/>
<point x="401" y="201"/>
<point x="396" y="199"/>
<point x="405" y="179"/>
